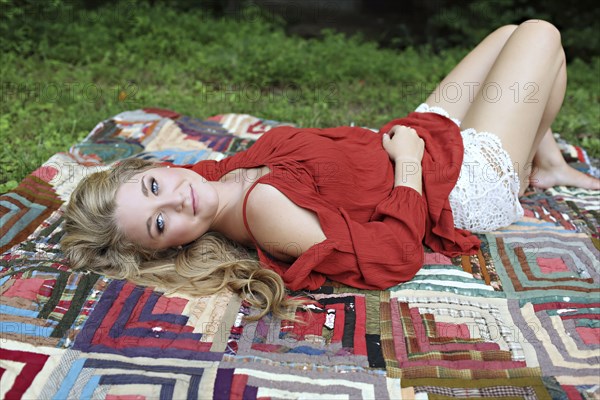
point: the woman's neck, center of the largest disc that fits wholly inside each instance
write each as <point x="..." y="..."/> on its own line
<point x="230" y="196"/>
<point x="231" y="190"/>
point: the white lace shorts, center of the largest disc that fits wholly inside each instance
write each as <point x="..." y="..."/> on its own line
<point x="486" y="195"/>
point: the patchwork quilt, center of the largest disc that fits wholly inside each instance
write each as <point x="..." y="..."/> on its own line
<point x="521" y="319"/>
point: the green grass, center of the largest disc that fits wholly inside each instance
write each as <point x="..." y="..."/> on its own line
<point x="84" y="70"/>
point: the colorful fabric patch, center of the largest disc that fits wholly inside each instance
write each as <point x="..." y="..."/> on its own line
<point x="414" y="347"/>
<point x="124" y="323"/>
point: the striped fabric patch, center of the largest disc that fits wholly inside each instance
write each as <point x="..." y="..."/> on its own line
<point x="235" y="379"/>
<point x="24" y="209"/>
<point x="80" y="375"/>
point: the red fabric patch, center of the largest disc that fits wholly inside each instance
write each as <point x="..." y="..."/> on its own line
<point x="313" y="326"/>
<point x="437" y="258"/>
<point x="580" y="316"/>
<point x="580" y="155"/>
<point x="34" y="363"/>
<point x="340" y="321"/>
<point x="572" y="392"/>
<point x="257" y="128"/>
<point x="550" y="265"/>
<point x="45" y="173"/>
<point x="445" y="329"/>
<point x="169" y="305"/>
<point x="162" y="112"/>
<point x="25" y="288"/>
<point x="266" y="347"/>
<point x="360" y="329"/>
<point x="238" y="385"/>
<point x="589" y="335"/>
<point x="47" y="287"/>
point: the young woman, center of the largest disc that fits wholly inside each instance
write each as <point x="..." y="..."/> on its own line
<point x="342" y="203"/>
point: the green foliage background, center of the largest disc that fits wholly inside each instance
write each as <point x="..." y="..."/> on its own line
<point x="66" y="67"/>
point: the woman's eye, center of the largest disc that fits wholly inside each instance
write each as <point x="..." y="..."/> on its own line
<point x="154" y="186"/>
<point x="160" y="223"/>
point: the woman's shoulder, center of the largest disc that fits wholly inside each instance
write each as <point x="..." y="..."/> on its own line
<point x="278" y="225"/>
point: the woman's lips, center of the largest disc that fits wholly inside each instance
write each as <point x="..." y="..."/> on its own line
<point x="193" y="199"/>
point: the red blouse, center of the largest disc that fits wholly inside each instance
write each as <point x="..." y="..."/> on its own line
<point x="375" y="231"/>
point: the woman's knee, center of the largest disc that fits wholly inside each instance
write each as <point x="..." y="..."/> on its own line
<point x="501" y="35"/>
<point x="543" y="34"/>
<point x="505" y="31"/>
<point x="543" y="26"/>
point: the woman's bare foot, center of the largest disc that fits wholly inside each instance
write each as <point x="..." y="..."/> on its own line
<point x="561" y="175"/>
<point x="551" y="169"/>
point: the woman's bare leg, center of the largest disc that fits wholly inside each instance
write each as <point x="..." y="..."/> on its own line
<point x="549" y="167"/>
<point x="459" y="89"/>
<point x="522" y="93"/>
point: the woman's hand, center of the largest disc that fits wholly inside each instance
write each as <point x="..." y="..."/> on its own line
<point x="403" y="143"/>
<point x="405" y="148"/>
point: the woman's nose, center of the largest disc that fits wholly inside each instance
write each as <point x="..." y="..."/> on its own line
<point x="172" y="200"/>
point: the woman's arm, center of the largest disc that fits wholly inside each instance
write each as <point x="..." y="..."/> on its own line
<point x="280" y="227"/>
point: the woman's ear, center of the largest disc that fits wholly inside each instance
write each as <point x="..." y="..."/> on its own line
<point x="183" y="247"/>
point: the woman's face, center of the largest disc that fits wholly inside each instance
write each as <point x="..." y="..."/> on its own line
<point x="165" y="207"/>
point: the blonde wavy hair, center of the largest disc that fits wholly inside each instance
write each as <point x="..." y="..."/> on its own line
<point x="93" y="241"/>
